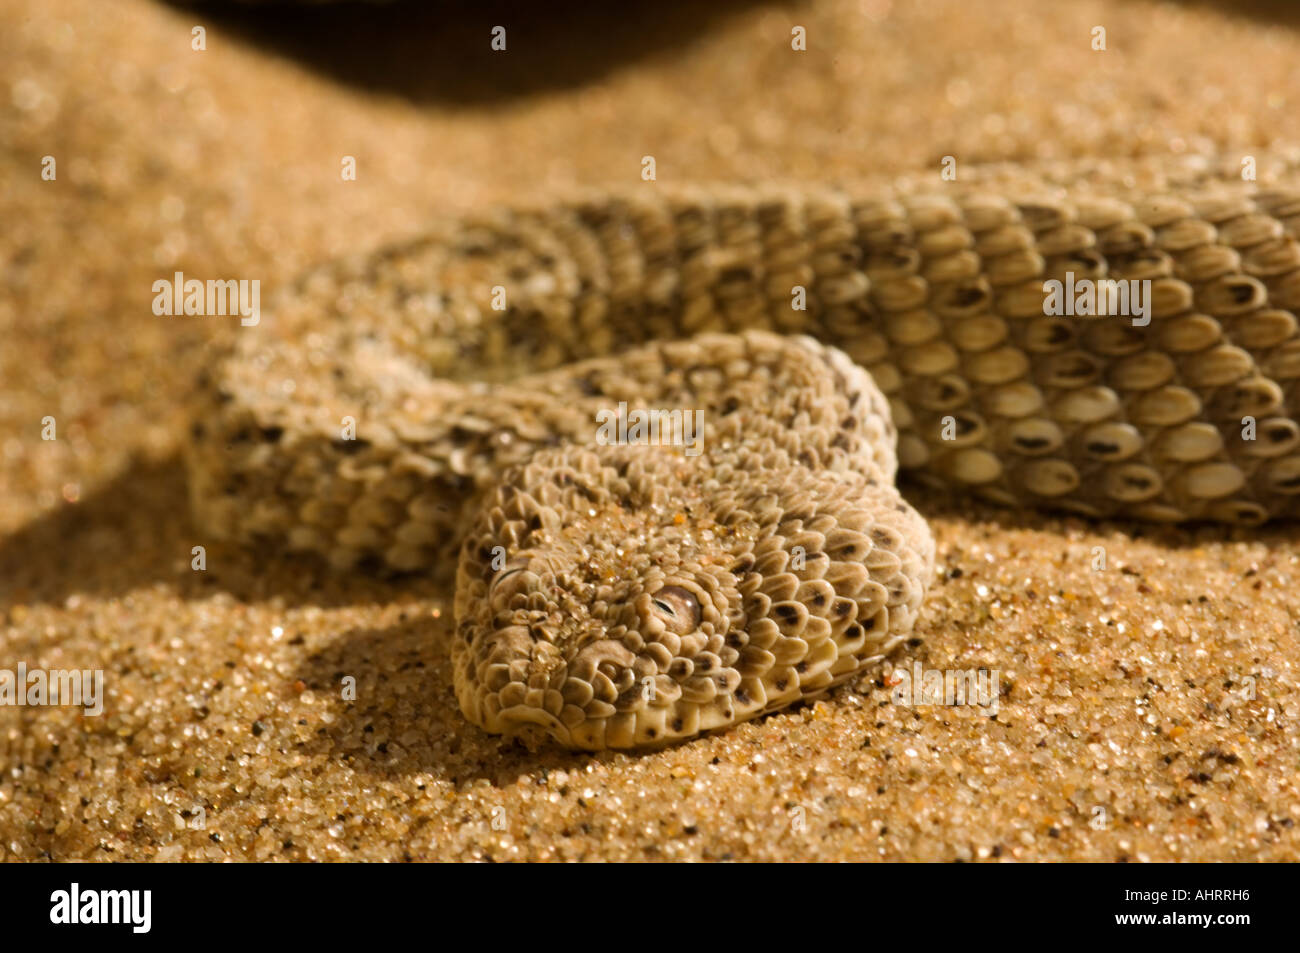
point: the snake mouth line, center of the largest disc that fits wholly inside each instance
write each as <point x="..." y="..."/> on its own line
<point x="534" y="725"/>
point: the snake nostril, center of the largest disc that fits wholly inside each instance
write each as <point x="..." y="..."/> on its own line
<point x="678" y="609"/>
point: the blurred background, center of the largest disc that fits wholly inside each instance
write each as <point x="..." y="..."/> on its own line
<point x="224" y="162"/>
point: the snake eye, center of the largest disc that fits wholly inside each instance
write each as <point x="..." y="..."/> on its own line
<point x="678" y="609"/>
<point x="498" y="580"/>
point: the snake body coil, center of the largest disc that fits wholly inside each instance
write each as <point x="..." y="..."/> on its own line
<point x="632" y="595"/>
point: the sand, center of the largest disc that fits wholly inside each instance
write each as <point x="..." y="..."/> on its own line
<point x="1149" y="710"/>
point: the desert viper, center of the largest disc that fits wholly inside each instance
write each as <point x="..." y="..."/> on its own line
<point x="436" y="405"/>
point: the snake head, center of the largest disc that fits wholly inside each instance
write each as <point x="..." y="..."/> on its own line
<point x="630" y="596"/>
<point x="619" y="624"/>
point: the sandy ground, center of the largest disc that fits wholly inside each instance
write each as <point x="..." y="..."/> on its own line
<point x="1150" y="711"/>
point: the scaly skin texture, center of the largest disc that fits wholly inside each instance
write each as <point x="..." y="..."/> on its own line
<point x="631" y="596"/>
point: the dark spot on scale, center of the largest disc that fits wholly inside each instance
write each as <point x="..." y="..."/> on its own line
<point x="854" y="631"/>
<point x="272" y="434"/>
<point x="1087" y="259"/>
<point x="742" y="697"/>
<point x="743" y="563"/>
<point x="1078" y="367"/>
<point x="678" y="724"/>
<point x="801" y="667"/>
<point x="781" y="683"/>
<point x="1031" y="443"/>
<point x="1100" y="449"/>
<point x="965" y="297"/>
<point x="739" y="273"/>
<point x="1242" y="292"/>
<point x="819" y="599"/>
<point x="650" y="732"/>
<point x="350" y="446"/>
<point x="787" y="612"/>
<point x="1058" y="334"/>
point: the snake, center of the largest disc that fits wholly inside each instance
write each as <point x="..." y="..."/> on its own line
<point x="435" y="406"/>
